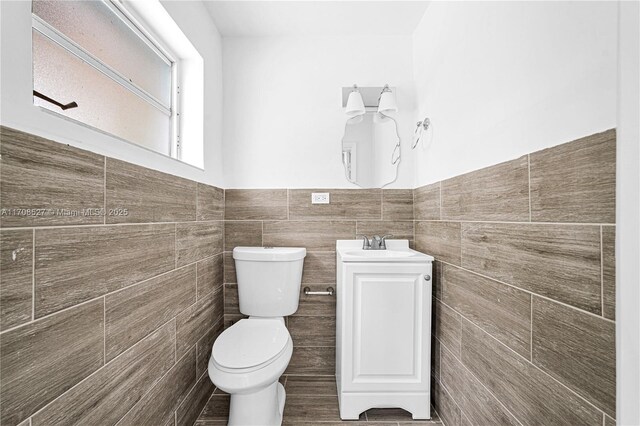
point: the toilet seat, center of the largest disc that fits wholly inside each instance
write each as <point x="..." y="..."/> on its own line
<point x="250" y="344"/>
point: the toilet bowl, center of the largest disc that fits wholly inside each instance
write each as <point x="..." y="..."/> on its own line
<point x="247" y="360"/>
<point x="249" y="357"/>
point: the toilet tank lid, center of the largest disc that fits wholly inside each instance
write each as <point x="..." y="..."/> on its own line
<point x="269" y="254"/>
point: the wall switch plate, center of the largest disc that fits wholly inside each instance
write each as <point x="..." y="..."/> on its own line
<point x="320" y="198"/>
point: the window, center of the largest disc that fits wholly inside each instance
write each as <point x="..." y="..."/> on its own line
<point x="94" y="53"/>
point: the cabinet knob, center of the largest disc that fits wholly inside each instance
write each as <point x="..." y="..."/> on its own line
<point x="427" y="277"/>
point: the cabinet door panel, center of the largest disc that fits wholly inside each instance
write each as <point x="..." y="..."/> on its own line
<point x="385" y="315"/>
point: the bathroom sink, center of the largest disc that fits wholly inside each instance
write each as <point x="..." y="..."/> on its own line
<point x="397" y="251"/>
<point x="380" y="253"/>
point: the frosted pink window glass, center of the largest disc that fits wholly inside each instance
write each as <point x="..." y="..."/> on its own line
<point x="102" y="103"/>
<point x="95" y="28"/>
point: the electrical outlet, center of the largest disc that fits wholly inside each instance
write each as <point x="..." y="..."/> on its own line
<point x="320" y="198"/>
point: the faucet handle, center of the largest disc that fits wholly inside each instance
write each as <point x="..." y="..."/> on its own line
<point x="366" y="244"/>
<point x="383" y="241"/>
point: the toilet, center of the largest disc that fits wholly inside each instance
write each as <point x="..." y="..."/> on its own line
<point x="249" y="357"/>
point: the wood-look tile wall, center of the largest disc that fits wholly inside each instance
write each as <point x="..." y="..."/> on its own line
<point x="281" y="217"/>
<point x="104" y="317"/>
<point x="524" y="299"/>
<point x="107" y="318"/>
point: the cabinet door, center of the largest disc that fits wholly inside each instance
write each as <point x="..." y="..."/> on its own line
<point x="387" y="312"/>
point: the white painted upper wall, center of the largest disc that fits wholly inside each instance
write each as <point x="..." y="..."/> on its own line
<point x="502" y="79"/>
<point x="497" y="79"/>
<point x="18" y="111"/>
<point x="284" y="119"/>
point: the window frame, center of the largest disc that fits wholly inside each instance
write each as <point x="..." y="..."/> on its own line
<point x="139" y="29"/>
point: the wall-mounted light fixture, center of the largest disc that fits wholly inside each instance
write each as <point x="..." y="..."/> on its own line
<point x="357" y="100"/>
<point x="355" y="104"/>
<point x="387" y="102"/>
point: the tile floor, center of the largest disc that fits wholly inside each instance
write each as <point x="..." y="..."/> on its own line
<point x="312" y="400"/>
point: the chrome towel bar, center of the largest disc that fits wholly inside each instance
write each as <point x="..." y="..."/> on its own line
<point x="330" y="291"/>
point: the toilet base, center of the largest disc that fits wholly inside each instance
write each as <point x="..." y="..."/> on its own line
<point x="282" y="395"/>
<point x="261" y="408"/>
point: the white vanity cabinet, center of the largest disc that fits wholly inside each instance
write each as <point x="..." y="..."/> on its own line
<point x="383" y="322"/>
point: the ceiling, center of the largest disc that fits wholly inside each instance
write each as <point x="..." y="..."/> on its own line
<point x="291" y="18"/>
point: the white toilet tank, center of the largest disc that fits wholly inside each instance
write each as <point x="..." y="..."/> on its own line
<point x="269" y="279"/>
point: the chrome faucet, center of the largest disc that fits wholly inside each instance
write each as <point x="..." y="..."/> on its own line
<point x="376" y="243"/>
